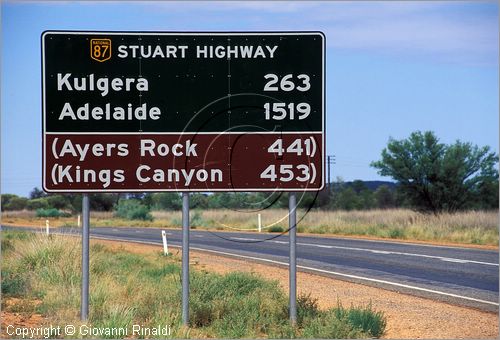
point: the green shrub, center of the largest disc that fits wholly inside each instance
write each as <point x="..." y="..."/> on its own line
<point x="6" y="245"/>
<point x="236" y="305"/>
<point x="15" y="203"/>
<point x="8" y="238"/>
<point x="307" y="307"/>
<point x="363" y="319"/>
<point x="133" y="210"/>
<point x="16" y="235"/>
<point x="396" y="233"/>
<point x="275" y="229"/>
<point x="51" y="212"/>
<point x="13" y="282"/>
<point x="330" y="326"/>
<point x="196" y="220"/>
<point x="115" y="316"/>
<point x="6" y="198"/>
<point x="37" y="203"/>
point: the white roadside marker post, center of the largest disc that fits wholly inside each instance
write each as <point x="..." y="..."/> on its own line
<point x="165" y="245"/>
<point x="47" y="227"/>
<point x="260" y="222"/>
<point x="78" y="221"/>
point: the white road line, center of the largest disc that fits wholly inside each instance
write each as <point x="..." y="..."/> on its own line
<point x="374" y="251"/>
<point x="406" y="243"/>
<point x="384" y="252"/>
<point x="316" y="270"/>
<point x="381" y="252"/>
<point x="245" y="239"/>
<point x="454" y="260"/>
<point x="323" y="246"/>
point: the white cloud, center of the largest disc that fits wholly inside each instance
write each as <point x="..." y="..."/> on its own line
<point x="460" y="32"/>
<point x="445" y="30"/>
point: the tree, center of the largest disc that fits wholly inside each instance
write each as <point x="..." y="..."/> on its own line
<point x="37" y="203"/>
<point x="58" y="202"/>
<point x="37" y="193"/>
<point x="133" y="209"/>
<point x="347" y="199"/>
<point x="6" y="198"/>
<point x="198" y="201"/>
<point x="358" y="186"/>
<point x="366" y="199"/>
<point x="384" y="197"/>
<point x="102" y="201"/>
<point x="438" y="177"/>
<point x="486" y="196"/>
<point x="166" y="201"/>
<point x="15" y="203"/>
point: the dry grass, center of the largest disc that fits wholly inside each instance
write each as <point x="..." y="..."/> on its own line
<point x="470" y="227"/>
<point x="18" y="214"/>
<point x="28" y="218"/>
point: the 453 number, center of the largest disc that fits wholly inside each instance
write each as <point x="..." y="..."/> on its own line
<point x="286" y="173"/>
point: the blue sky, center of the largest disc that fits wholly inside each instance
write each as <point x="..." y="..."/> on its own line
<point x="392" y="68"/>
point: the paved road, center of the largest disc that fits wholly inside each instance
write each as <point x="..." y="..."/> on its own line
<point x="460" y="276"/>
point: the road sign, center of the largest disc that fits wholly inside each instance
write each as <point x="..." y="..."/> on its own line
<point x="144" y="111"/>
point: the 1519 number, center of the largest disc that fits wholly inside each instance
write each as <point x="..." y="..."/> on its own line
<point x="280" y="110"/>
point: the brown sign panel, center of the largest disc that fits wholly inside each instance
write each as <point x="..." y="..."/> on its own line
<point x="152" y="162"/>
<point x="142" y="111"/>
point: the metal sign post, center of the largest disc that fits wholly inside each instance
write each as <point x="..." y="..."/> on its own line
<point x="185" y="259"/>
<point x="84" y="315"/>
<point x="292" y="225"/>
